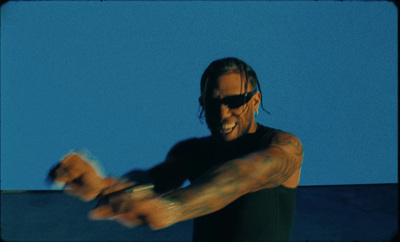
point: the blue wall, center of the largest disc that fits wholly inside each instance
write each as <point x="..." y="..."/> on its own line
<point x="122" y="80"/>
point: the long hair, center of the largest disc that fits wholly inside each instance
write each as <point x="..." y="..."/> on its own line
<point x="222" y="67"/>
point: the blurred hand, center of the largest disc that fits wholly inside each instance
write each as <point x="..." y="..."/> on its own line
<point x="138" y="206"/>
<point x="82" y="178"/>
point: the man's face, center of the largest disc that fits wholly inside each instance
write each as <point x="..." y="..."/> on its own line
<point x="229" y="123"/>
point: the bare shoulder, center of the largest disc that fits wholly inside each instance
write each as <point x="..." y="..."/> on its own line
<point x="286" y="138"/>
<point x="287" y="142"/>
<point x="288" y="146"/>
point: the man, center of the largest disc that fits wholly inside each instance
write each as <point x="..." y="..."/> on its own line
<point x="243" y="177"/>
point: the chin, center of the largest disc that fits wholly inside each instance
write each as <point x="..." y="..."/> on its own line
<point x="230" y="137"/>
<point x="227" y="138"/>
<point x="224" y="138"/>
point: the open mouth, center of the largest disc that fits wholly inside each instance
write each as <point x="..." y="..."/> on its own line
<point x="227" y="128"/>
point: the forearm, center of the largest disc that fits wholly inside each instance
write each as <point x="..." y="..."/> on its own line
<point x="226" y="183"/>
<point x="209" y="193"/>
<point x="277" y="165"/>
<point x="165" y="177"/>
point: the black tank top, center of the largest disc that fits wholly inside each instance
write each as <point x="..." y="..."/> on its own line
<point x="263" y="215"/>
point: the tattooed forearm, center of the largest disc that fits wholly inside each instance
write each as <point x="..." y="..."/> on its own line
<point x="211" y="192"/>
<point x="278" y="164"/>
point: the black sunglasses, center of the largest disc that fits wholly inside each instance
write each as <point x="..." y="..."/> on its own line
<point x="232" y="102"/>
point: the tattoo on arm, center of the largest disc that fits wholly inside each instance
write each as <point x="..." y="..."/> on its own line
<point x="227" y="182"/>
<point x="211" y="192"/>
<point x="284" y="157"/>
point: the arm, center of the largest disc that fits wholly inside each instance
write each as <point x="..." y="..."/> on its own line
<point x="168" y="175"/>
<point x="278" y="165"/>
<point x="81" y="177"/>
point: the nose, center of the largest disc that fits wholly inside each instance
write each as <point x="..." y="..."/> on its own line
<point x="225" y="112"/>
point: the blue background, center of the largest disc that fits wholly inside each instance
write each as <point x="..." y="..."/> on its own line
<point x="121" y="79"/>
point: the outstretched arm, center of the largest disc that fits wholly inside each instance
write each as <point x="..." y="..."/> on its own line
<point x="278" y="165"/>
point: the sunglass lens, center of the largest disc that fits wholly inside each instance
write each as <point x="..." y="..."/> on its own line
<point x="234" y="101"/>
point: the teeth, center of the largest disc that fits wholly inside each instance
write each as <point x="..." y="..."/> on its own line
<point x="226" y="131"/>
<point x="227" y="128"/>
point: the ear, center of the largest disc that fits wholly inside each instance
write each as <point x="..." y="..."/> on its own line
<point x="256" y="101"/>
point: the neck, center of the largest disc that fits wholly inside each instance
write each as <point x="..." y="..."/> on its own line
<point x="253" y="127"/>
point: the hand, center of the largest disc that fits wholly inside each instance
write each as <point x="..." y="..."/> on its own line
<point x="80" y="176"/>
<point x="138" y="207"/>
